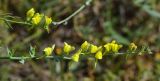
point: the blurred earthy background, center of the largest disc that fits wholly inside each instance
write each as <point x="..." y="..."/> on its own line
<point x="104" y="20"/>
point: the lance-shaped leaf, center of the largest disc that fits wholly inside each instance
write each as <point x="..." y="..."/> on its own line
<point x="22" y="61"/>
<point x="10" y="52"/>
<point x="32" y="51"/>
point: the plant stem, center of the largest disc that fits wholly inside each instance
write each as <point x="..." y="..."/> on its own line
<point x="72" y="15"/>
<point x="65" y="57"/>
<point x="28" y="57"/>
<point x="25" y="23"/>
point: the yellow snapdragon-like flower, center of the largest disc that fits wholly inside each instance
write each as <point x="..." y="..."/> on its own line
<point x="75" y="56"/>
<point x="68" y="48"/>
<point x="48" y="20"/>
<point x="48" y="51"/>
<point x="132" y="47"/>
<point x="85" y="46"/>
<point x="37" y="18"/>
<point x="108" y="47"/>
<point x="98" y="55"/>
<point x="93" y="48"/>
<point x="30" y="13"/>
<point x="112" y="47"/>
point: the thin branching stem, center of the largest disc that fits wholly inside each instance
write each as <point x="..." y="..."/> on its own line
<point x="87" y="3"/>
<point x="72" y="15"/>
<point x="25" y="23"/>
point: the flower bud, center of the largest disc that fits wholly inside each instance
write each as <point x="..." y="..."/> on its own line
<point x="132" y="47"/>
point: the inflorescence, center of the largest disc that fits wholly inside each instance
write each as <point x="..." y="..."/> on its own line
<point x="86" y="50"/>
<point x="36" y="19"/>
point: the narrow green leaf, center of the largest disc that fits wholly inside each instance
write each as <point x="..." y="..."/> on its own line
<point x="32" y="51"/>
<point x="22" y="61"/>
<point x="9" y="52"/>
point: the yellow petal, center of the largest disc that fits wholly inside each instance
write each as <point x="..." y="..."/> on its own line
<point x="108" y="47"/>
<point x="37" y="18"/>
<point x="48" y="51"/>
<point x="68" y="48"/>
<point x="115" y="47"/>
<point x="85" y="46"/>
<point x="48" y="20"/>
<point x="113" y="42"/>
<point x="98" y="55"/>
<point x="94" y="49"/>
<point x="30" y="13"/>
<point x="75" y="57"/>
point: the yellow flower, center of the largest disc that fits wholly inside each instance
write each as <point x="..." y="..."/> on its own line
<point x="98" y="55"/>
<point x="48" y="20"/>
<point x="115" y="47"/>
<point x="48" y="51"/>
<point x="132" y="47"/>
<point x="30" y="13"/>
<point x="75" y="57"/>
<point x="112" y="46"/>
<point x="37" y="18"/>
<point x="93" y="49"/>
<point x="108" y="47"/>
<point x="68" y="48"/>
<point x="85" y="46"/>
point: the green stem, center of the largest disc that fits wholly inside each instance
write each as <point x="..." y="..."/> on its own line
<point x="72" y="15"/>
<point x="27" y="57"/>
<point x="129" y="53"/>
<point x="25" y="23"/>
<point x="52" y="57"/>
